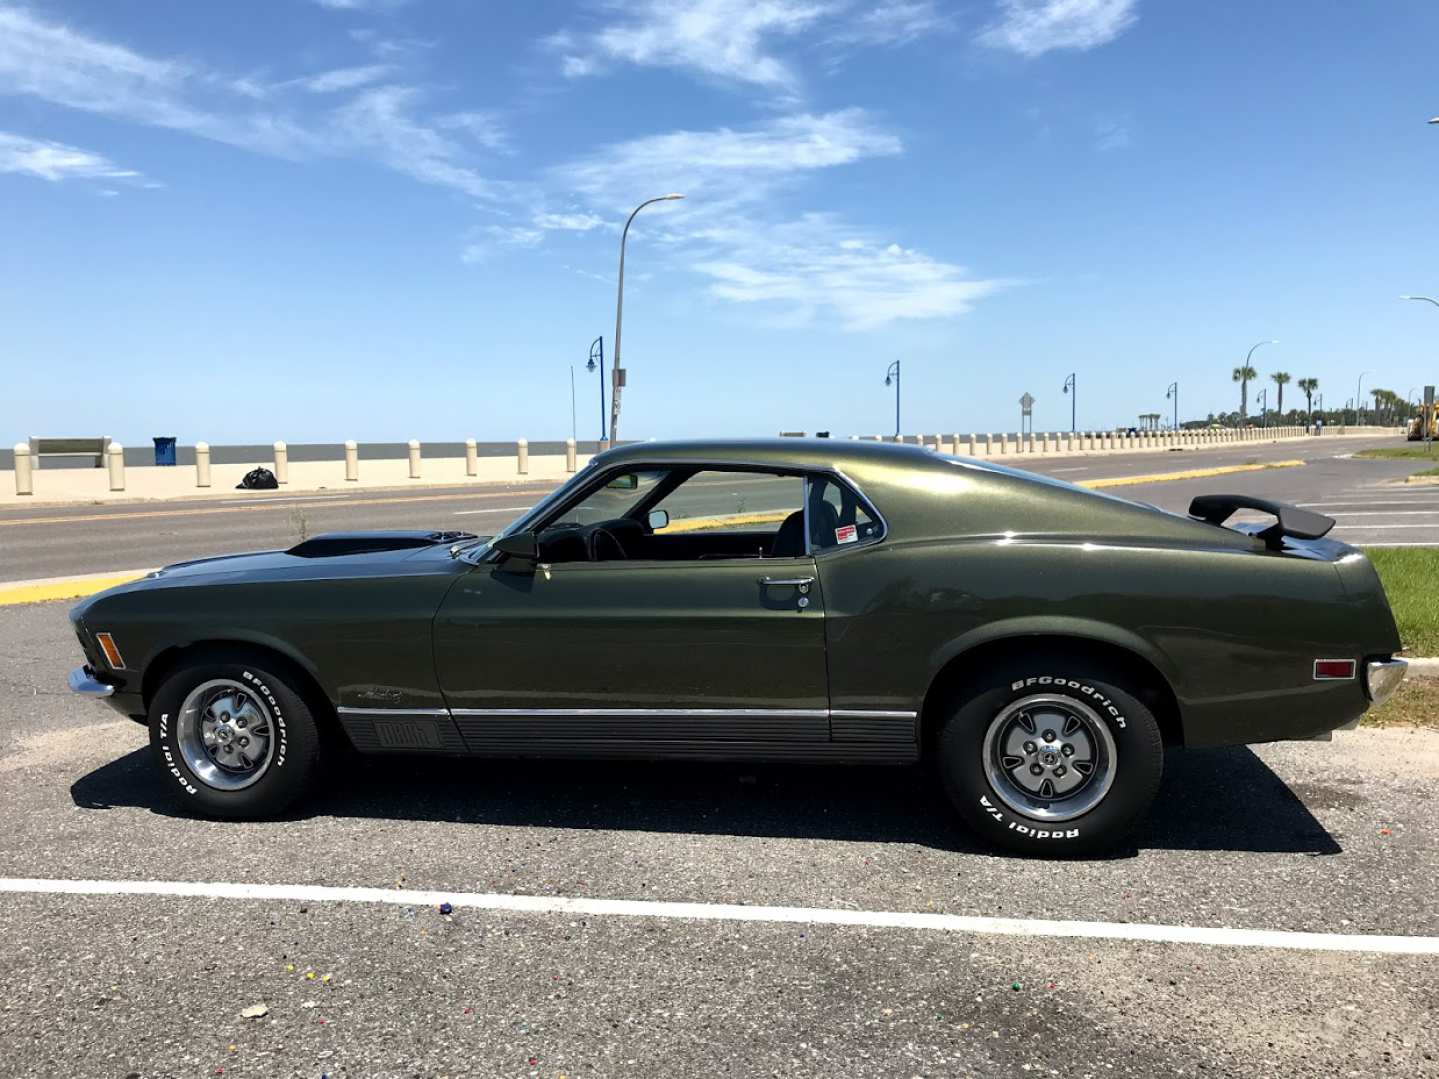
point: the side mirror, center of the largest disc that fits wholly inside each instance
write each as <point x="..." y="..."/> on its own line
<point x="524" y="545"/>
<point x="658" y="519"/>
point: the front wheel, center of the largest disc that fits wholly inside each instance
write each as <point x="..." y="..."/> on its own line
<point x="235" y="738"/>
<point x="1051" y="757"/>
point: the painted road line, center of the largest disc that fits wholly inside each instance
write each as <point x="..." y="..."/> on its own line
<point x="1386" y="513"/>
<point x="1216" y="936"/>
<point x="248" y="508"/>
<point x="493" y="509"/>
<point x="1416" y="543"/>
<point x="46" y="589"/>
<point x="1188" y="474"/>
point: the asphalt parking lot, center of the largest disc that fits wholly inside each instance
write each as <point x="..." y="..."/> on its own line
<point x="1328" y="838"/>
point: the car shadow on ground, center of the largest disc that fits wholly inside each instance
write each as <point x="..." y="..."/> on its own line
<point x="1214" y="799"/>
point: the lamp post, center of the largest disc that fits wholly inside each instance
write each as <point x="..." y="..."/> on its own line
<point x="1359" y="401"/>
<point x="1263" y="402"/>
<point x="1427" y="299"/>
<point x="574" y="431"/>
<point x="1173" y="392"/>
<point x="1073" y="391"/>
<point x="891" y="377"/>
<point x="597" y="352"/>
<point x="617" y="373"/>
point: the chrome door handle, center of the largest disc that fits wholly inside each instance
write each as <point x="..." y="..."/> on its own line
<point x="802" y="583"/>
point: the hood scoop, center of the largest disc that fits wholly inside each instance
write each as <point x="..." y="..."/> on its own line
<point x="335" y="544"/>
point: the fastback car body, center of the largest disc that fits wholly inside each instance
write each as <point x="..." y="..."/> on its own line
<point x="766" y="600"/>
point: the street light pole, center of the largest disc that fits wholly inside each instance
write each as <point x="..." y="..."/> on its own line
<point x="1359" y="401"/>
<point x="1173" y="392"/>
<point x="1427" y="299"/>
<point x="574" y="431"/>
<point x="616" y="371"/>
<point x="597" y="352"/>
<point x="1073" y="391"/>
<point x="891" y="376"/>
<point x="1263" y="401"/>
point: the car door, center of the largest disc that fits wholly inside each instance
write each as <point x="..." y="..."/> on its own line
<point x="647" y="655"/>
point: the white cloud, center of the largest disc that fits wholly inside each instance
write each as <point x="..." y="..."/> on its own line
<point x="55" y="161"/>
<point x="68" y="67"/>
<point x="382" y="121"/>
<point x="897" y="22"/>
<point x="724" y="39"/>
<point x="725" y="164"/>
<point x="817" y="268"/>
<point x="362" y="5"/>
<point x="799" y="269"/>
<point x="1034" y="27"/>
<point x="485" y="127"/>
<point x="568" y="222"/>
<point x="1111" y="135"/>
<point x="345" y="78"/>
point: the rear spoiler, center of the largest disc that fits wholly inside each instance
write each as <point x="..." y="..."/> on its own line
<point x="1290" y="520"/>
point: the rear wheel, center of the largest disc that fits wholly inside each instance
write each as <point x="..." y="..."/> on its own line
<point x="236" y="738"/>
<point x="1051" y="756"/>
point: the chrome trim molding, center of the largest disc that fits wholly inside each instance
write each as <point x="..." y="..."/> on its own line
<point x="87" y="685"/>
<point x="391" y="712"/>
<point x="779" y="713"/>
<point x="1382" y="678"/>
<point x="782" y="713"/>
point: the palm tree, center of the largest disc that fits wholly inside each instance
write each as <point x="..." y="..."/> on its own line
<point x="1280" y="379"/>
<point x="1242" y="375"/>
<point x="1307" y="386"/>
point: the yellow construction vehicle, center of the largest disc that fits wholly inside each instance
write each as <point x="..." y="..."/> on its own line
<point x="1425" y="424"/>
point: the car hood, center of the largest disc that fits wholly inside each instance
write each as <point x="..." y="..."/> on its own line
<point x="331" y="556"/>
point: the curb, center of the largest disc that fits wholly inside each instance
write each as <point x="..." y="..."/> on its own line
<point x="46" y="589"/>
<point x="1187" y="474"/>
<point x="1424" y="667"/>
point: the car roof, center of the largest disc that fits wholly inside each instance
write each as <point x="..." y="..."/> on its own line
<point x="778" y="452"/>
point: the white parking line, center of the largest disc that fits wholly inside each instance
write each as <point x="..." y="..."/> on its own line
<point x="1371" y="528"/>
<point x="492" y="509"/>
<point x="1387" y="513"/>
<point x="729" y="912"/>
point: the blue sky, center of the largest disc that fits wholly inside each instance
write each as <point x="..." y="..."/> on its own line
<point x="383" y="219"/>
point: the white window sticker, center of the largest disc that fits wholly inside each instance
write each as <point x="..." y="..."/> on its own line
<point x="846" y="534"/>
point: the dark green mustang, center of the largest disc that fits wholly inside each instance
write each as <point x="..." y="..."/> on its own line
<point x="770" y="600"/>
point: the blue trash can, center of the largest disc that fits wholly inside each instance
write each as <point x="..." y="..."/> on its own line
<point x="164" y="451"/>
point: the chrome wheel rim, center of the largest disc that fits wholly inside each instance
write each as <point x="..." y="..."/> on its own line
<point x="225" y="734"/>
<point x="1049" y="757"/>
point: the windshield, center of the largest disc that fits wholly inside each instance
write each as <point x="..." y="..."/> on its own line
<point x="479" y="548"/>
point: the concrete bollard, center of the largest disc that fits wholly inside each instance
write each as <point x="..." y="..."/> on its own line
<point x="352" y="461"/>
<point x="472" y="458"/>
<point x="604" y="444"/>
<point x="522" y="456"/>
<point x="202" y="464"/>
<point x="282" y="463"/>
<point x="569" y="455"/>
<point x="24" y="469"/>
<point x="414" y="458"/>
<point x="1003" y="443"/>
<point x="971" y="445"/>
<point x="115" y="462"/>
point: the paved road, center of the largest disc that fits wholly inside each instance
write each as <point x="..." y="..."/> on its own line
<point x="52" y="542"/>
<point x="1337" y="837"/>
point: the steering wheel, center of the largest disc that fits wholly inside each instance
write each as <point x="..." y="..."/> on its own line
<point x="598" y="539"/>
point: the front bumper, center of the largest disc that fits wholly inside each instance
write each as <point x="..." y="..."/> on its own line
<point x="1382" y="678"/>
<point x="84" y="682"/>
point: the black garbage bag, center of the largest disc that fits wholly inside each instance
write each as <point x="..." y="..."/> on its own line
<point x="258" y="479"/>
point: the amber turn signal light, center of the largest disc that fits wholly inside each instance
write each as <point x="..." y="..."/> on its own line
<point x="112" y="652"/>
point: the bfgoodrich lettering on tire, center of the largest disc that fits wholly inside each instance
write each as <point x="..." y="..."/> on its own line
<point x="234" y="739"/>
<point x="1051" y="756"/>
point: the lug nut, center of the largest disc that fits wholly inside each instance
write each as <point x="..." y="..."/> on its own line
<point x="1029" y="747"/>
<point x="1036" y="770"/>
<point x="1067" y="749"/>
<point x="1048" y="736"/>
<point x="1060" y="770"/>
<point x="244" y="741"/>
<point x="240" y="722"/>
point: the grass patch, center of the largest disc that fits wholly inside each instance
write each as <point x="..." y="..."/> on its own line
<point x="1411" y="580"/>
<point x="1429" y="472"/>
<point x="1414" y="704"/>
<point x="1414" y="449"/>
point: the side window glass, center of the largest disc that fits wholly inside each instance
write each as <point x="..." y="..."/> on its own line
<point x="732" y="502"/>
<point x="613" y="500"/>
<point x="838" y="517"/>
